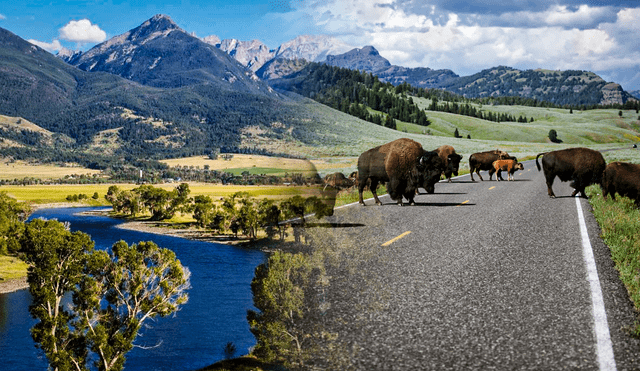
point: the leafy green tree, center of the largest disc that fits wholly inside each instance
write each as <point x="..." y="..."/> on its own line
<point x="114" y="294"/>
<point x="12" y="214"/>
<point x="124" y="288"/>
<point x="279" y="294"/>
<point x="57" y="259"/>
<point x="203" y="210"/>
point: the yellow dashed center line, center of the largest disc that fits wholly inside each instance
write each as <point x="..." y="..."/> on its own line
<point x="462" y="203"/>
<point x="492" y="188"/>
<point x="395" y="239"/>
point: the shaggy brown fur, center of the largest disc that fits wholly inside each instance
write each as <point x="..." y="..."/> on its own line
<point x="583" y="166"/>
<point x="623" y="178"/>
<point x="400" y="163"/>
<point x="484" y="161"/>
<point x="451" y="160"/>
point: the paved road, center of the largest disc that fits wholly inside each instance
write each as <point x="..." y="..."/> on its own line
<point x="478" y="276"/>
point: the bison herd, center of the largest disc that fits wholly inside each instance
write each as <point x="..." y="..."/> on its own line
<point x="405" y="166"/>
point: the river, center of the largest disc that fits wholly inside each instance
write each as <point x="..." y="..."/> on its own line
<point x="193" y="338"/>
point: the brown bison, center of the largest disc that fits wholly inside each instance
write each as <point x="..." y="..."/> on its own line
<point x="338" y="181"/>
<point x="451" y="160"/>
<point x="484" y="161"/>
<point x="510" y="166"/>
<point x="402" y="163"/>
<point x="583" y="166"/>
<point x="623" y="178"/>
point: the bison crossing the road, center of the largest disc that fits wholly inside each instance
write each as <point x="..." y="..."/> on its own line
<point x="510" y="166"/>
<point x="484" y="161"/>
<point x="581" y="166"/>
<point x="404" y="164"/>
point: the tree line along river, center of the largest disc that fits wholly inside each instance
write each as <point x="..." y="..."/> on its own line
<point x="193" y="338"/>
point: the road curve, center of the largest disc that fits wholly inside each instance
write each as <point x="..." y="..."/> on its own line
<point x="478" y="276"/>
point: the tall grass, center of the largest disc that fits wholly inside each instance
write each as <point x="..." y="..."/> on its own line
<point x="620" y="223"/>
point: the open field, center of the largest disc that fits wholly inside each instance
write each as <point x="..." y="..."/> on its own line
<point x="21" y="169"/>
<point x="12" y="267"/>
<point x="578" y="128"/>
<point x="46" y="194"/>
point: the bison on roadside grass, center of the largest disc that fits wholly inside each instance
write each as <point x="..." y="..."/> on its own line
<point x="622" y="178"/>
<point x="402" y="163"/>
<point x="582" y="166"/>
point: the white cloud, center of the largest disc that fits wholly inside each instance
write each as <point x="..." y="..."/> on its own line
<point x="51" y="47"/>
<point x="595" y="38"/>
<point x="82" y="31"/>
<point x="2" y="17"/>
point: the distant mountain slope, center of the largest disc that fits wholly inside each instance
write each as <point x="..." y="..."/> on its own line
<point x="152" y="122"/>
<point x="559" y="87"/>
<point x="369" y="60"/>
<point x="158" y="53"/>
<point x="635" y="93"/>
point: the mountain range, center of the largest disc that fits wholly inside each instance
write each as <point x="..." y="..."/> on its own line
<point x="158" y="91"/>
<point x="156" y="68"/>
<point x="203" y="100"/>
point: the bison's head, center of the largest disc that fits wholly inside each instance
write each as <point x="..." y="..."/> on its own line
<point x="453" y="165"/>
<point x="519" y="166"/>
<point x="430" y="166"/>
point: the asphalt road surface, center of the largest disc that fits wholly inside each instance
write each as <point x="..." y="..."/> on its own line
<point x="478" y="276"/>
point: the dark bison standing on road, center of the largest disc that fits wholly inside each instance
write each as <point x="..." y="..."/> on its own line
<point x="451" y="160"/>
<point x="338" y="181"/>
<point x="623" y="178"/>
<point x="401" y="163"/>
<point x="583" y="166"/>
<point x="484" y="161"/>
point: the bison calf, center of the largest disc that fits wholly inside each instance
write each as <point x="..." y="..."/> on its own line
<point x="582" y="166"/>
<point x="510" y="166"/>
<point x="623" y="178"/>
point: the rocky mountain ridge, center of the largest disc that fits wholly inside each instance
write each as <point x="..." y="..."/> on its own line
<point x="561" y="87"/>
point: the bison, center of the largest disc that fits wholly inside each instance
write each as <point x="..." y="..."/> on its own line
<point x="623" y="178"/>
<point x="403" y="163"/>
<point x="510" y="166"/>
<point x="484" y="161"/>
<point x="451" y="160"/>
<point x="338" y="181"/>
<point x="583" y="166"/>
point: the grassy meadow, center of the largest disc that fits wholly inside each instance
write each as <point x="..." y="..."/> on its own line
<point x="12" y="267"/>
<point x="21" y="169"/>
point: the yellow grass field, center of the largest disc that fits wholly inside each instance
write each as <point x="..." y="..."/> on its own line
<point x="12" y="267"/>
<point x="45" y="194"/>
<point x="279" y="164"/>
<point x="21" y="169"/>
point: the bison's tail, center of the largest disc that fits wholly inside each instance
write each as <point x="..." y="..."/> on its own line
<point x="537" y="164"/>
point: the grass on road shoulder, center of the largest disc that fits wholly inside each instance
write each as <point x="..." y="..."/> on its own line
<point x="620" y="223"/>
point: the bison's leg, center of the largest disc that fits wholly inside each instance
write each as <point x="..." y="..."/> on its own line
<point x="361" y="186"/>
<point x="498" y="175"/>
<point x="491" y="171"/>
<point x="374" y="187"/>
<point x="478" y="173"/>
<point x="579" y="183"/>
<point x="549" y="177"/>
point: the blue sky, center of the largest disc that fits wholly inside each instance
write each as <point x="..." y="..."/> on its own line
<point x="465" y="36"/>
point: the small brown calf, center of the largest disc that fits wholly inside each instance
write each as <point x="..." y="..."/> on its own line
<point x="510" y="166"/>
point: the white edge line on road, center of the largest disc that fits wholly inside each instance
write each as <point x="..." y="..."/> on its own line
<point x="604" y="346"/>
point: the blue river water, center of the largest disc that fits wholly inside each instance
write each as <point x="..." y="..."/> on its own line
<point x="193" y="338"/>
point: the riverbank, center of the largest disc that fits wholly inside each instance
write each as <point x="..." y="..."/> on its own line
<point x="14" y="284"/>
